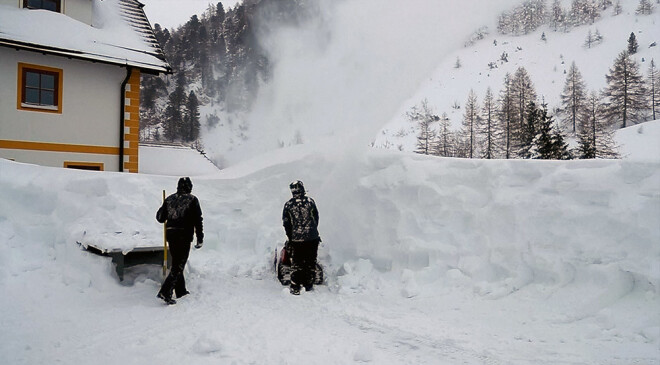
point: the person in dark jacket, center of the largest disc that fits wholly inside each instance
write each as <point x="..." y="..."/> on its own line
<point x="300" y="219"/>
<point x="183" y="216"/>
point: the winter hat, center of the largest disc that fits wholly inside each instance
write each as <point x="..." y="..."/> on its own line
<point x="297" y="188"/>
<point x="184" y="186"/>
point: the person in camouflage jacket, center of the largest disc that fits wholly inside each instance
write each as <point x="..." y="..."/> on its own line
<point x="300" y="218"/>
<point x="183" y="216"/>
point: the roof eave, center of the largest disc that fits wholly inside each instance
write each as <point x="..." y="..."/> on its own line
<point x="143" y="66"/>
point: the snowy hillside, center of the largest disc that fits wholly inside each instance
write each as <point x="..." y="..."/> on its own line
<point x="546" y="61"/>
<point x="429" y="261"/>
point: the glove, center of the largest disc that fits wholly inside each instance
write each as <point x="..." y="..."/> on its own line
<point x="199" y="244"/>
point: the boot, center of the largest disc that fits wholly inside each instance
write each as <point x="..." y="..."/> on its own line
<point x="166" y="299"/>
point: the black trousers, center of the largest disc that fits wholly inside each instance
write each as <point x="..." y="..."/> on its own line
<point x="303" y="263"/>
<point x="179" y="243"/>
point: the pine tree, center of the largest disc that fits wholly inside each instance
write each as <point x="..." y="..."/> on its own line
<point x="590" y="39"/>
<point x="579" y="13"/>
<point x="598" y="38"/>
<point x="506" y="115"/>
<point x="423" y="116"/>
<point x="523" y="93"/>
<point x="548" y="143"/>
<point x="557" y="15"/>
<point x="652" y="82"/>
<point x="471" y="122"/>
<point x="625" y="92"/>
<point x="192" y="124"/>
<point x="444" y="144"/>
<point x="573" y="97"/>
<point x="523" y="19"/>
<point x="632" y="44"/>
<point x="529" y="130"/>
<point x="618" y="9"/>
<point x="533" y="13"/>
<point x="489" y="128"/>
<point x="174" y="121"/>
<point x="644" y="8"/>
<point x="595" y="138"/>
<point x="593" y="11"/>
<point x="593" y="39"/>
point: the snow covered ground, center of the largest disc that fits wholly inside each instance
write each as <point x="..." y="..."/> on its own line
<point x="429" y="261"/>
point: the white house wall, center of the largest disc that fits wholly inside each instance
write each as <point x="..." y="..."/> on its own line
<point x="90" y="115"/>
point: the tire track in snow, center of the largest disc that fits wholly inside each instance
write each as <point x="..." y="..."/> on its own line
<point x="443" y="348"/>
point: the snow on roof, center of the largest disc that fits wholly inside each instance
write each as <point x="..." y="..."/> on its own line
<point x="120" y="34"/>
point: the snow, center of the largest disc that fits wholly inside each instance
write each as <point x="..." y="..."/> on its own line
<point x="428" y="261"/>
<point x="545" y="61"/>
<point x="109" y="39"/>
<point x="635" y="142"/>
<point x="159" y="159"/>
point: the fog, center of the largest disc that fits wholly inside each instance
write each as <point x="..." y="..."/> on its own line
<point x="345" y="72"/>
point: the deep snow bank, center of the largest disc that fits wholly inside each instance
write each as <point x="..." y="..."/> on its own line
<point x="527" y="261"/>
<point x="495" y="225"/>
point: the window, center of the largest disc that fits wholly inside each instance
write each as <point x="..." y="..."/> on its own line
<point x="94" y="166"/>
<point x="52" y="5"/>
<point x="39" y="88"/>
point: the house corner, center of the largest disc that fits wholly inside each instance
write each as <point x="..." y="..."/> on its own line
<point x="132" y="122"/>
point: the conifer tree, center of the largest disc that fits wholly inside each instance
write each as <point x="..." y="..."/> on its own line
<point x="489" y="128"/>
<point x="593" y="11"/>
<point x="632" y="44"/>
<point x="506" y="115"/>
<point x="593" y="38"/>
<point x="471" y="122"/>
<point x="644" y="7"/>
<point x="590" y="39"/>
<point x="444" y="143"/>
<point x="579" y="13"/>
<point x="652" y="82"/>
<point x="423" y="116"/>
<point x="523" y="93"/>
<point x="618" y="9"/>
<point x="529" y="130"/>
<point x="174" y="121"/>
<point x="595" y="138"/>
<point x="557" y="15"/>
<point x="192" y="124"/>
<point x="573" y="97"/>
<point x="625" y="92"/>
<point x="548" y="143"/>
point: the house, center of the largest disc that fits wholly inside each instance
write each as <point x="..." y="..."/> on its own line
<point x="70" y="81"/>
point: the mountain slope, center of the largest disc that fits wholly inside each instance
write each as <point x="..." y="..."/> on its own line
<point x="546" y="61"/>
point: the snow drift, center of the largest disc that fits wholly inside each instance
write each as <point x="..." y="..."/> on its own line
<point x="411" y="243"/>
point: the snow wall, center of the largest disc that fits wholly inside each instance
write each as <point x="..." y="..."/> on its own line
<point x="423" y="222"/>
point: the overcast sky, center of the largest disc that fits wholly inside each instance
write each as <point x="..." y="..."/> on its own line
<point x="173" y="13"/>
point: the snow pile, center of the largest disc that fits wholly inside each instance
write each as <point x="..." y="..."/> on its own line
<point x="428" y="260"/>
